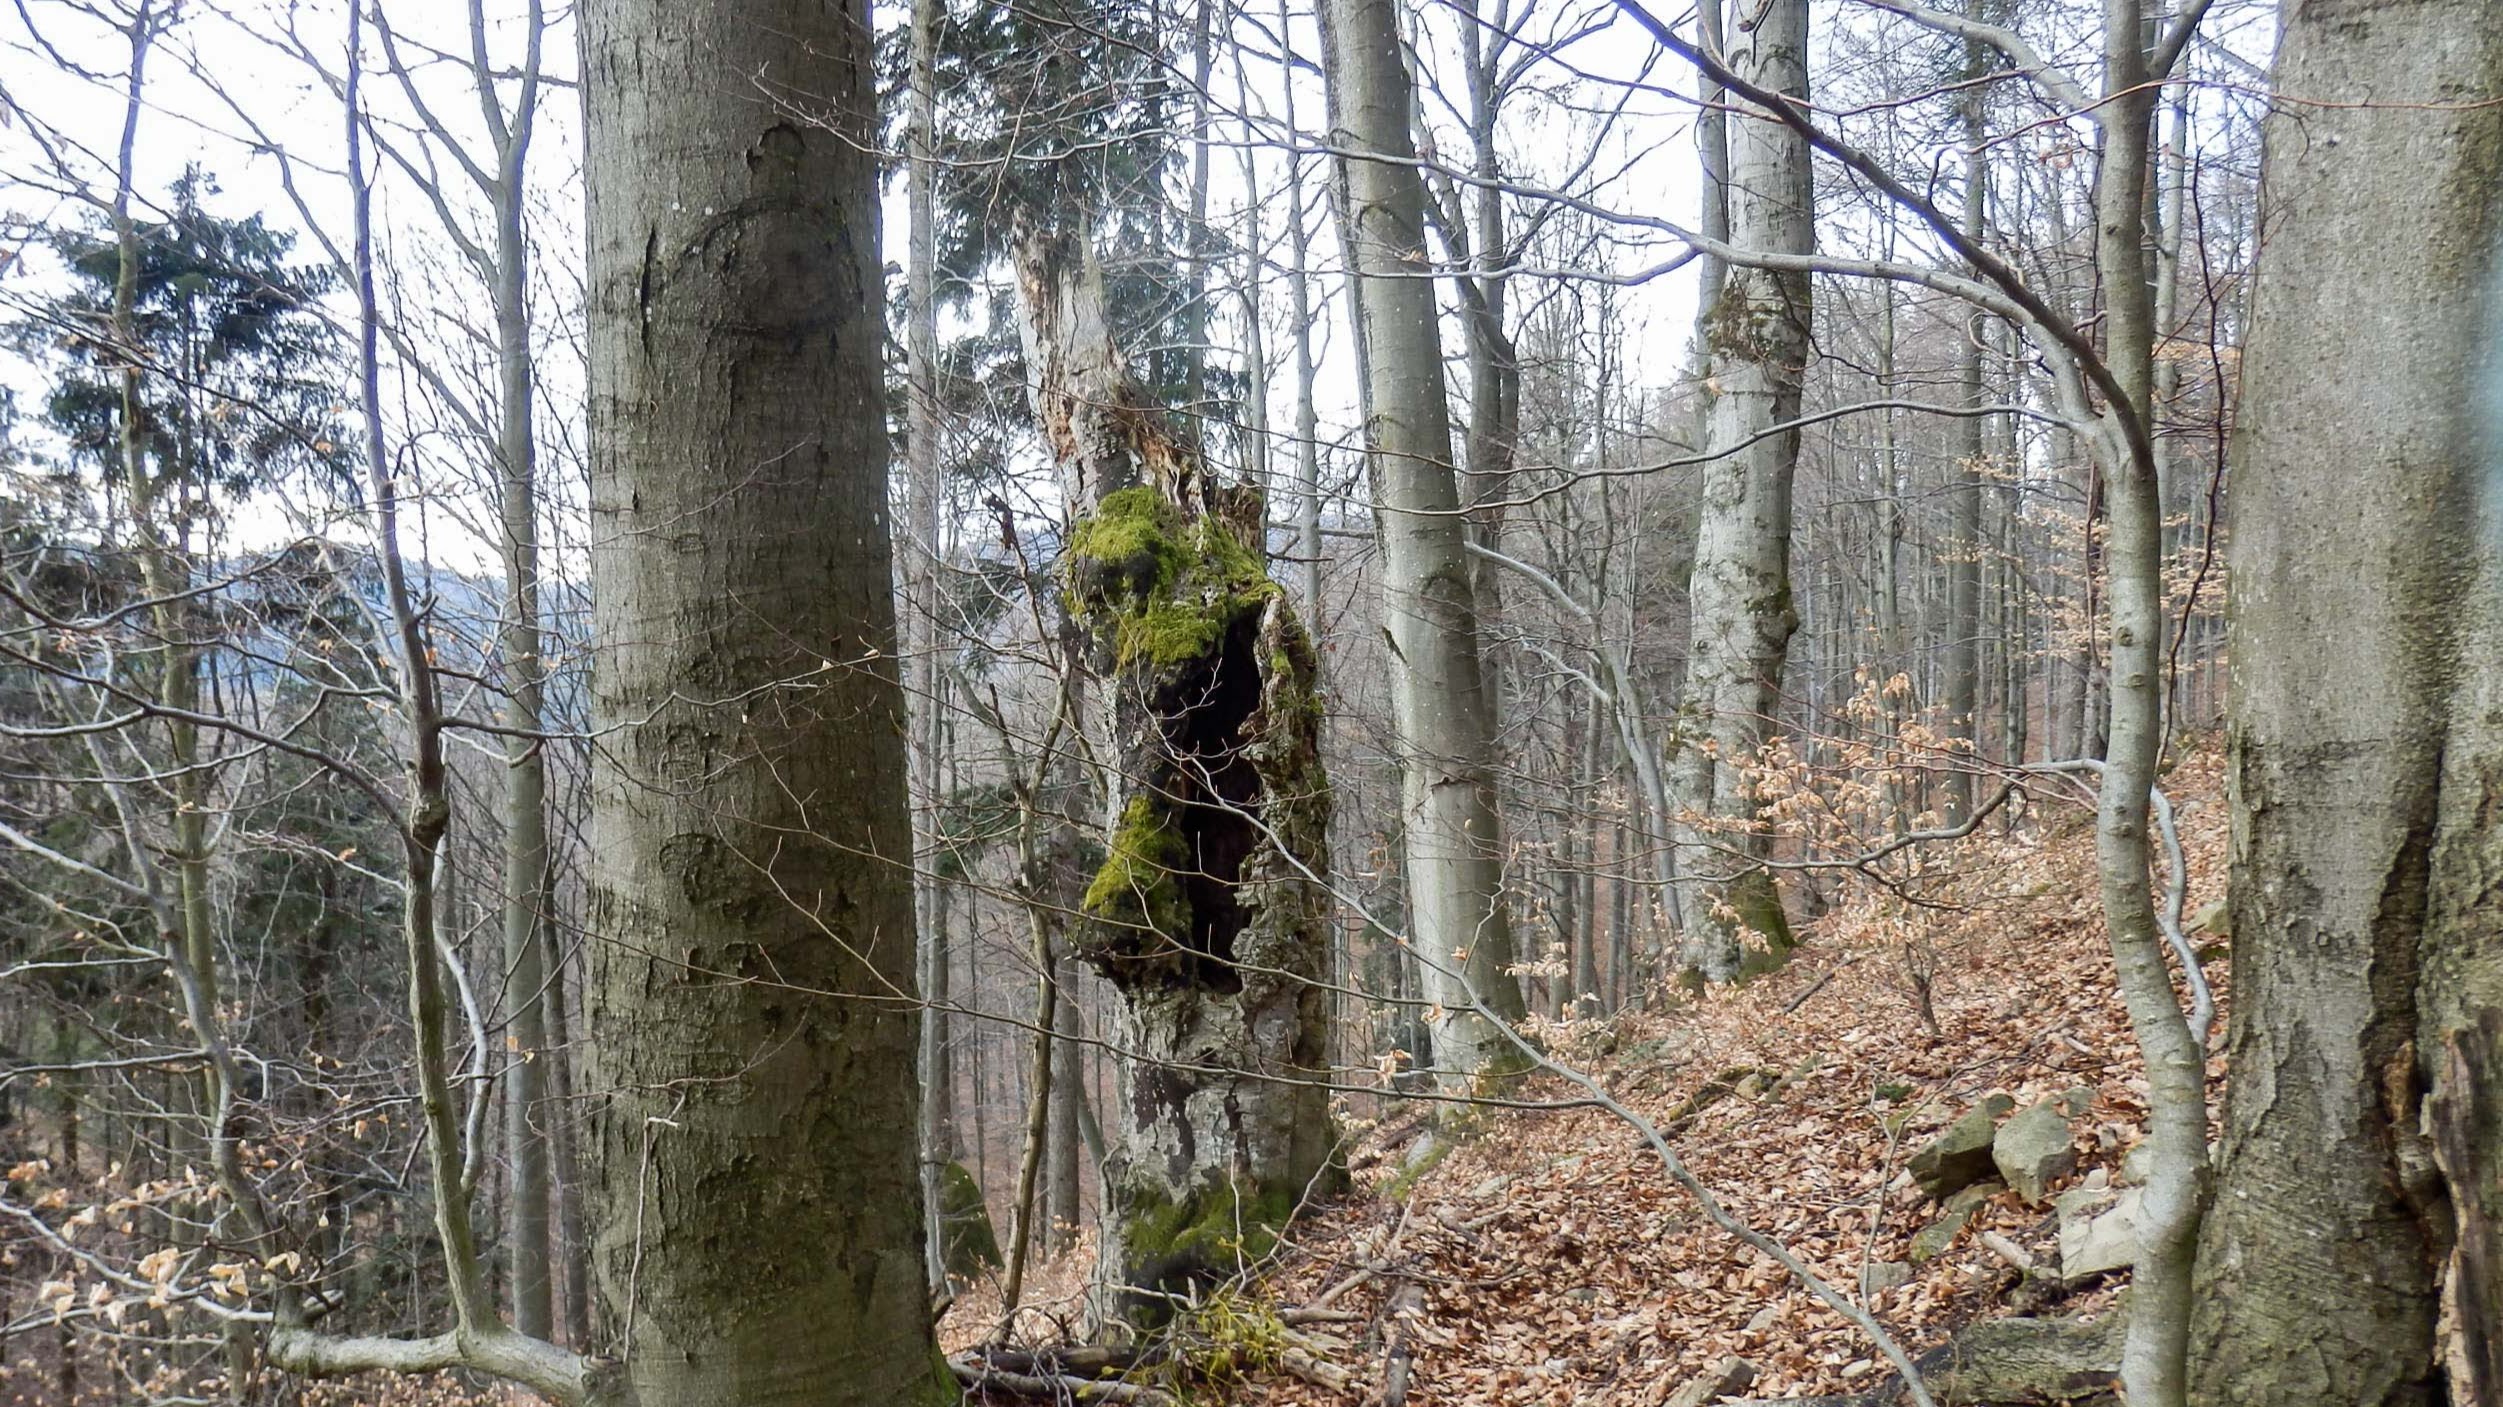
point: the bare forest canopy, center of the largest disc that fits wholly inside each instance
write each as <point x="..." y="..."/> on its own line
<point x="721" y="703"/>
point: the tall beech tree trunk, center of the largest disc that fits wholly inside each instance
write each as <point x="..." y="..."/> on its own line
<point x="922" y="627"/>
<point x="750" y="1001"/>
<point x="1757" y="342"/>
<point x="2362" y="1165"/>
<point x="1452" y="833"/>
<point x="1209" y="914"/>
<point x="1970" y="473"/>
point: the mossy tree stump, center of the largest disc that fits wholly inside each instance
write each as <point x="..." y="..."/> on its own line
<point x="1209" y="912"/>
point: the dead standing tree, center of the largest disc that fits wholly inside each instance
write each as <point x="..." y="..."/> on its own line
<point x="1205" y="914"/>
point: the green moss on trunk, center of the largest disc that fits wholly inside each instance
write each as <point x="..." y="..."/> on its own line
<point x="1135" y="888"/>
<point x="1172" y="1247"/>
<point x="1165" y="590"/>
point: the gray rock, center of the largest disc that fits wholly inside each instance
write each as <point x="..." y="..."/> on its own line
<point x="1960" y="1157"/>
<point x="2035" y="1148"/>
<point x="2098" y="1231"/>
<point x="1731" y="1376"/>
<point x="1932" y="1241"/>
<point x="1971" y="1198"/>
<point x="1885" y="1275"/>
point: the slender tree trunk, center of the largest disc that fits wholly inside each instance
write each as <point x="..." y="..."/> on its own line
<point x="1039" y="922"/>
<point x="528" y="878"/>
<point x="1307" y="412"/>
<point x="2359" y="1173"/>
<point x="1583" y="850"/>
<point x="1712" y="150"/>
<point x="751" y="997"/>
<point x="573" y="1241"/>
<point x="1195" y="235"/>
<point x="1969" y="474"/>
<point x="925" y="538"/>
<point x="1066" y="1202"/>
<point x="2153" y="1358"/>
<point x="1740" y="591"/>
<point x="1458" y="922"/>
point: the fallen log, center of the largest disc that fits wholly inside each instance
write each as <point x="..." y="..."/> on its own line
<point x="2003" y="1363"/>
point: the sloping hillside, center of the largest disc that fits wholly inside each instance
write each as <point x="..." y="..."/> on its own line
<point x="1547" y="1259"/>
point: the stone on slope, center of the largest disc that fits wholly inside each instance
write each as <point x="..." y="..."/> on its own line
<point x="2098" y="1231"/>
<point x="1960" y="1157"/>
<point x="1885" y="1275"/>
<point x="1932" y="1241"/>
<point x="1731" y="1376"/>
<point x="2035" y="1148"/>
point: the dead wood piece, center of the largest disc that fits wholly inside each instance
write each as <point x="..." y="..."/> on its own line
<point x="1399" y="1344"/>
<point x="1372" y="1267"/>
<point x="1070" y="1360"/>
<point x="2007" y="1250"/>
<point x="1811" y="989"/>
<point x="1315" y="1369"/>
<point x="982" y="1378"/>
<point x="1711" y="1092"/>
<point x="1465" y="1230"/>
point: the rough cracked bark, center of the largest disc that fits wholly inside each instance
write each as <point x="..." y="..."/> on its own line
<point x="1208" y="914"/>
<point x="758" y="1236"/>
<point x="1757" y="343"/>
<point x="1451" y="831"/>
<point x="2361" y="1111"/>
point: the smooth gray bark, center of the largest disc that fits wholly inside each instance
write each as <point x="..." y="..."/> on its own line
<point x="529" y="878"/>
<point x="1969" y="474"/>
<point x="1065" y="1202"/>
<point x="1452" y="833"/>
<point x="751" y="1001"/>
<point x="925" y="539"/>
<point x="1739" y="590"/>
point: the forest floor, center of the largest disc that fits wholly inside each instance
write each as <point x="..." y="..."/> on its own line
<point x="1548" y="1260"/>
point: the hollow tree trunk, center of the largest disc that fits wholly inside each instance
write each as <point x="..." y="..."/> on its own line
<point x="2361" y="1106"/>
<point x="1452" y="832"/>
<point x="750" y="1000"/>
<point x="1209" y="914"/>
<point x="1757" y="339"/>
